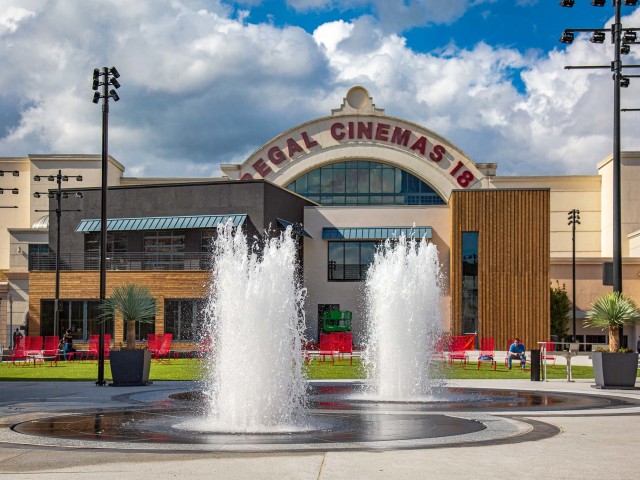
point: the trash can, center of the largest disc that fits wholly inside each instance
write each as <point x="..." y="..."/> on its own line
<point x="535" y="365"/>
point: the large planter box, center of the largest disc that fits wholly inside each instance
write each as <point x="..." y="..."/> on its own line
<point x="130" y="367"/>
<point x="615" y="370"/>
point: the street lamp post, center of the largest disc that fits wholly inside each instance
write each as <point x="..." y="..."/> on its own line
<point x="104" y="78"/>
<point x="621" y="38"/>
<point x="58" y="194"/>
<point x="574" y="218"/>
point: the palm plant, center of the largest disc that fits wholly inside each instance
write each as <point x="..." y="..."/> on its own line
<point x="612" y="311"/>
<point x="135" y="303"/>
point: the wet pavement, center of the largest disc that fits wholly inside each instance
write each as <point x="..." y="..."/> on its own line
<point x="482" y="426"/>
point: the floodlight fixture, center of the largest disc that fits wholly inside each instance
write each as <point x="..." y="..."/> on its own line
<point x="597" y="37"/>
<point x="51" y="178"/>
<point x="598" y="3"/>
<point x="79" y="178"/>
<point x="624" y="82"/>
<point x="625" y="49"/>
<point x="114" y="95"/>
<point x="114" y="72"/>
<point x="567" y="37"/>
<point x="567" y="3"/>
<point x="96" y="97"/>
<point x="14" y="191"/>
<point x="630" y="3"/>
<point x="15" y="173"/>
<point x="115" y="83"/>
<point x="36" y="178"/>
<point x="36" y="195"/>
<point x="51" y="194"/>
<point x="629" y="36"/>
<point x="65" y="178"/>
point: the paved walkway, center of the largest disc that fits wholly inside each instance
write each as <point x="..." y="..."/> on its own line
<point x="598" y="444"/>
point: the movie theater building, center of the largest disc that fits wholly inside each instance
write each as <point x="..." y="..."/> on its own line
<point x="351" y="180"/>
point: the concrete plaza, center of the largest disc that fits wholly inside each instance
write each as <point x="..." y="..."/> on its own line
<point x="598" y="443"/>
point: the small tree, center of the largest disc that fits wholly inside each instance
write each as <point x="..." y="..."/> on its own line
<point x="135" y="303"/>
<point x="560" y="307"/>
<point x="612" y="311"/>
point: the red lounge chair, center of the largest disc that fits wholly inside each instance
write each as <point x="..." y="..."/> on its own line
<point x="18" y="351"/>
<point x="163" y="351"/>
<point x="487" y="352"/>
<point x="327" y="346"/>
<point x="458" y="349"/>
<point x="94" y="341"/>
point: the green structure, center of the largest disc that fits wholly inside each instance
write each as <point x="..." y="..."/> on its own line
<point x="336" y="321"/>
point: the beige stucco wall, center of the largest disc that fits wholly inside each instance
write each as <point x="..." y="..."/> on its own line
<point x="630" y="200"/>
<point x="581" y="192"/>
<point x="350" y="295"/>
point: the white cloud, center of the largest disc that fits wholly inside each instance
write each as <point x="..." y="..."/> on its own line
<point x="201" y="86"/>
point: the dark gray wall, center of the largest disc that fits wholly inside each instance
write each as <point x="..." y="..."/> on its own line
<point x="261" y="201"/>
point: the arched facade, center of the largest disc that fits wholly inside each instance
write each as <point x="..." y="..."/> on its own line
<point x="334" y="268"/>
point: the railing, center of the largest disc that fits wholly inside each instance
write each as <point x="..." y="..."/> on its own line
<point x="123" y="261"/>
<point x="347" y="272"/>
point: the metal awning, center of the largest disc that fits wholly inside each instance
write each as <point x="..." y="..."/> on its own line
<point x="374" y="233"/>
<point x="162" y="223"/>
<point x="296" y="228"/>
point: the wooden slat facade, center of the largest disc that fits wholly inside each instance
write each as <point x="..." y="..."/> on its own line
<point x="84" y="285"/>
<point x="513" y="262"/>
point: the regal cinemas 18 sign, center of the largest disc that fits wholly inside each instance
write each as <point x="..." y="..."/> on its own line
<point x="350" y="131"/>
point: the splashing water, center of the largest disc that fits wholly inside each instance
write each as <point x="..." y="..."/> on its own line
<point x="403" y="295"/>
<point x="255" y="370"/>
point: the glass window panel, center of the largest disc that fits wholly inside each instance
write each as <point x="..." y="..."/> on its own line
<point x="388" y="180"/>
<point x="326" y="182"/>
<point x="301" y="184"/>
<point x="338" y="200"/>
<point x="338" y="180"/>
<point x="352" y="180"/>
<point x="398" y="181"/>
<point x="363" y="180"/>
<point x="367" y="250"/>
<point x="313" y="181"/>
<point x="376" y="180"/>
<point x="375" y="199"/>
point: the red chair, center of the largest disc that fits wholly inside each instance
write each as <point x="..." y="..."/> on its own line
<point x="550" y="347"/>
<point x="33" y="344"/>
<point x="458" y="350"/>
<point x="438" y="352"/>
<point x="94" y="342"/>
<point x="345" y="345"/>
<point x="163" y="351"/>
<point x="18" y="351"/>
<point x="327" y="346"/>
<point x="50" y="348"/>
<point x="487" y="352"/>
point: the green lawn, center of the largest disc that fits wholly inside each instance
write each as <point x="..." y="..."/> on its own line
<point x="189" y="369"/>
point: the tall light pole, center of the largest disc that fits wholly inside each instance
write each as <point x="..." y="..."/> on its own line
<point x="621" y="38"/>
<point x="58" y="194"/>
<point x="104" y="78"/>
<point x="574" y="218"/>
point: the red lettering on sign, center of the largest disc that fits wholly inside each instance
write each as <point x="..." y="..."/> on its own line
<point x="246" y="176"/>
<point x="308" y="142"/>
<point x="365" y="130"/>
<point x="262" y="168"/>
<point x="382" y="132"/>
<point x="293" y="147"/>
<point x="337" y="131"/>
<point x="437" y="154"/>
<point x="420" y="145"/>
<point x="351" y="130"/>
<point x="276" y="156"/>
<point x="400" y="137"/>
<point x="458" y="166"/>
<point x="465" y="179"/>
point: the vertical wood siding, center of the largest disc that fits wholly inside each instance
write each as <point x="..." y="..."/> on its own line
<point x="513" y="262"/>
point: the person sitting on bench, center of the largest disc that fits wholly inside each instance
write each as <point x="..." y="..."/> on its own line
<point x="516" y="350"/>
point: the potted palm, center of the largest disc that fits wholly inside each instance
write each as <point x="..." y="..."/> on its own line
<point x="614" y="368"/>
<point x="135" y="304"/>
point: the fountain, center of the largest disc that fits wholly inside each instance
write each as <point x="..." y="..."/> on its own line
<point x="255" y="381"/>
<point x="403" y="296"/>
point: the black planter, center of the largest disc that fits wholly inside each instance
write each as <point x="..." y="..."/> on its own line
<point x="615" y="370"/>
<point x="130" y="367"/>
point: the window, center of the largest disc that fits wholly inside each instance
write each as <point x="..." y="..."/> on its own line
<point x="80" y="316"/>
<point x="348" y="261"/>
<point x="364" y="183"/>
<point x="469" y="282"/>
<point x="164" y="249"/>
<point x="117" y="243"/>
<point x="183" y="318"/>
<point x="36" y="250"/>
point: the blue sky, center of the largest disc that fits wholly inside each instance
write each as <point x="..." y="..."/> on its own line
<point x="206" y="82"/>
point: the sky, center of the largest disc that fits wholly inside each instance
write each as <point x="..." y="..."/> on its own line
<point x="205" y="82"/>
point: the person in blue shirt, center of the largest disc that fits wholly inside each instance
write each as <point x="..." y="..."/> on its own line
<point x="516" y="350"/>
